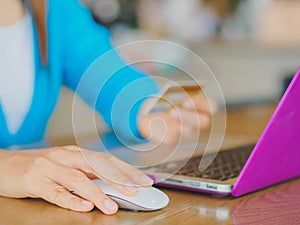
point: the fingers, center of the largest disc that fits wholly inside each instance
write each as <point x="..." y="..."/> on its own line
<point x="53" y="173"/>
<point x="66" y="179"/>
<point x="190" y="118"/>
<point x="71" y="156"/>
<point x="201" y="104"/>
<point x="119" y="174"/>
<point x="58" y="195"/>
<point x="160" y="128"/>
<point x="135" y="175"/>
<point x="175" y="125"/>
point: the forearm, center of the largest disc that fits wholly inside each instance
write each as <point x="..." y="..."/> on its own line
<point x="121" y="99"/>
<point x="101" y="77"/>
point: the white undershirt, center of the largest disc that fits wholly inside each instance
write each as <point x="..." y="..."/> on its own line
<point x="16" y="71"/>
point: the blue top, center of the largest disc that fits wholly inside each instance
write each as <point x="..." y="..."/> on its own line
<point x="75" y="41"/>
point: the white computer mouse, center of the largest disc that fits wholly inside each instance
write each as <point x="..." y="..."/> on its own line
<point x="147" y="198"/>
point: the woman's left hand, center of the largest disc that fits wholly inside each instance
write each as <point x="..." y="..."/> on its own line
<point x="180" y="123"/>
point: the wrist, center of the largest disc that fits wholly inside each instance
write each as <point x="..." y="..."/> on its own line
<point x="3" y="153"/>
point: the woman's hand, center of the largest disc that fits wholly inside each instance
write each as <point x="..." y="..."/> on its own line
<point x="52" y="173"/>
<point x="181" y="123"/>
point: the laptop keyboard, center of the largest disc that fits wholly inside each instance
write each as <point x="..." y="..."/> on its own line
<point x="227" y="164"/>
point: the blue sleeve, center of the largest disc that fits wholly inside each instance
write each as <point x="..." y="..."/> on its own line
<point x="99" y="75"/>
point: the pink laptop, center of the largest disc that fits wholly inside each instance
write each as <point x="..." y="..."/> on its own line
<point x="274" y="158"/>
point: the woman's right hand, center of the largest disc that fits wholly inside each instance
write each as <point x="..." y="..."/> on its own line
<point x="52" y="173"/>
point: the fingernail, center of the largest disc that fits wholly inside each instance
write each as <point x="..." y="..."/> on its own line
<point x="110" y="205"/>
<point x="86" y="203"/>
<point x="131" y="188"/>
<point x="146" y="180"/>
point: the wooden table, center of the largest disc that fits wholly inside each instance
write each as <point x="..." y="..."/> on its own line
<point x="279" y="204"/>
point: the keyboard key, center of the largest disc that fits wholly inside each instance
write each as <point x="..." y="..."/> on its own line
<point x="226" y="165"/>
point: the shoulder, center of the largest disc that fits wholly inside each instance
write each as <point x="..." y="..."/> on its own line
<point x="74" y="19"/>
<point x="65" y="3"/>
<point x="67" y="7"/>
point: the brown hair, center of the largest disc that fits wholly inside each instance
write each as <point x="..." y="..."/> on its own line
<point x="39" y="14"/>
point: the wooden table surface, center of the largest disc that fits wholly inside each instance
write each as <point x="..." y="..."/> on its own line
<point x="279" y="204"/>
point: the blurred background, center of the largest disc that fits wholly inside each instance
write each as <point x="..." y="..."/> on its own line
<point x="252" y="46"/>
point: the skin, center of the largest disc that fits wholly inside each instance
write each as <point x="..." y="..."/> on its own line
<point x="178" y="124"/>
<point x="42" y="173"/>
<point x="11" y="11"/>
